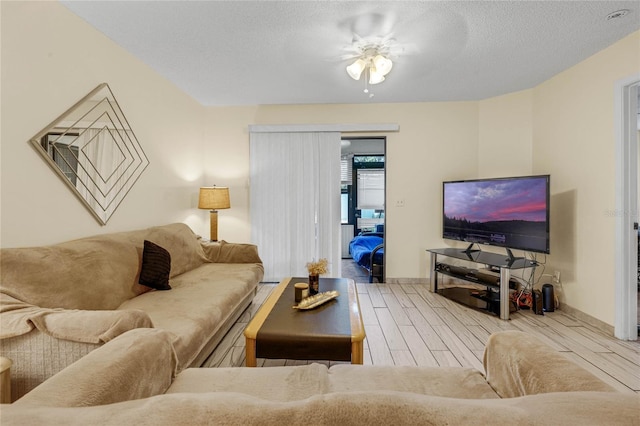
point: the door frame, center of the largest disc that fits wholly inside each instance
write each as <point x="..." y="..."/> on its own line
<point x="384" y="138"/>
<point x="626" y="249"/>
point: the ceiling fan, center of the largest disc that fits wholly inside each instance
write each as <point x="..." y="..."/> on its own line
<point x="373" y="47"/>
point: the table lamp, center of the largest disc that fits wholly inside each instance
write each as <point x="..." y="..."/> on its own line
<point x="214" y="198"/>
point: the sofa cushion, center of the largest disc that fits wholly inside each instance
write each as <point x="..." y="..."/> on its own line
<point x="299" y="382"/>
<point x="181" y="243"/>
<point x="99" y="272"/>
<point x="91" y="273"/>
<point x="451" y="382"/>
<point x="198" y="304"/>
<point x="290" y="383"/>
<point x="156" y="267"/>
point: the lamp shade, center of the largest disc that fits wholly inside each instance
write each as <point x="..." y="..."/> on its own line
<point x="355" y="69"/>
<point x="214" y="198"/>
<point x="375" y="77"/>
<point x="382" y="64"/>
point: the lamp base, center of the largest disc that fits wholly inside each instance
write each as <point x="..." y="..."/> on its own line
<point x="214" y="225"/>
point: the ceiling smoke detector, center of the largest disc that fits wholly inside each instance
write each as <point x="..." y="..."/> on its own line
<point x="617" y="14"/>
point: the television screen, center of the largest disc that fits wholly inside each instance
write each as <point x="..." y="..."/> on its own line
<point x="508" y="212"/>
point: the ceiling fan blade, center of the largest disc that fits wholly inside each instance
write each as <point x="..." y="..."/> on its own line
<point x="370" y="24"/>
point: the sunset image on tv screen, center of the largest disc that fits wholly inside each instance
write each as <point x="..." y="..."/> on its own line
<point x="510" y="212"/>
<point x="488" y="201"/>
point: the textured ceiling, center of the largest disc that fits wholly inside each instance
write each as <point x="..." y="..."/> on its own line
<point x="291" y="52"/>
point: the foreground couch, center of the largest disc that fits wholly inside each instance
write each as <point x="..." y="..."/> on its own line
<point x="58" y="303"/>
<point x="130" y="381"/>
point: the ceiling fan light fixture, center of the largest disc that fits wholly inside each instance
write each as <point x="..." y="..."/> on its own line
<point x="355" y="69"/>
<point x="383" y="65"/>
<point x="373" y="62"/>
<point x="375" y="77"/>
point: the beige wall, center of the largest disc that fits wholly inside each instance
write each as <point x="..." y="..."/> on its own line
<point x="505" y="135"/>
<point x="226" y="163"/>
<point x="574" y="141"/>
<point x="51" y="59"/>
<point x="436" y="141"/>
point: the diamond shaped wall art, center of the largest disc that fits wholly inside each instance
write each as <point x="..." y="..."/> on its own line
<point x="95" y="152"/>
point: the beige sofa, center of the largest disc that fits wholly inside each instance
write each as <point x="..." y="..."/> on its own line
<point x="58" y="303"/>
<point x="130" y="380"/>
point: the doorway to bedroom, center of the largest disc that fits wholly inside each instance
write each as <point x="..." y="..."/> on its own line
<point x="363" y="189"/>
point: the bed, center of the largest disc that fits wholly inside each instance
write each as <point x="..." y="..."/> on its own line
<point x="367" y="250"/>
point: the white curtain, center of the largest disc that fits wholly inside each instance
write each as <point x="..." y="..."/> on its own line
<point x="295" y="201"/>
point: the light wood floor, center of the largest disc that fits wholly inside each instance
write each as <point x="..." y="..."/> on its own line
<point x="408" y="325"/>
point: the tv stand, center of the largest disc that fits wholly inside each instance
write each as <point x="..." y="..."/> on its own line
<point x="496" y="293"/>
<point x="511" y="258"/>
<point x="470" y="249"/>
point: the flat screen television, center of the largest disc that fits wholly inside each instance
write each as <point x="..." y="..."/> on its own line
<point x="510" y="212"/>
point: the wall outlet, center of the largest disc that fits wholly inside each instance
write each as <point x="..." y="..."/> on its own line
<point x="556" y="276"/>
<point x="400" y="203"/>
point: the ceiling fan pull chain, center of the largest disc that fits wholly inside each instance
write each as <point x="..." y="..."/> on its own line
<point x="366" y="83"/>
<point x="366" y="80"/>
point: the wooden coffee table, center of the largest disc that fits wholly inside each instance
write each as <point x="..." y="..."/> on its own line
<point x="333" y="331"/>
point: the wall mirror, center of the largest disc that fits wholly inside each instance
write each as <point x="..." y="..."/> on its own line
<point x="95" y="152"/>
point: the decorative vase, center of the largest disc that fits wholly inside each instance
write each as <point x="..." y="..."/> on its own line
<point x="314" y="284"/>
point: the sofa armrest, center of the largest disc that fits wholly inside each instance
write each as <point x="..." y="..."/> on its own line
<point x="224" y="252"/>
<point x="138" y="364"/>
<point x="36" y="356"/>
<point x="518" y="364"/>
<point x="43" y="341"/>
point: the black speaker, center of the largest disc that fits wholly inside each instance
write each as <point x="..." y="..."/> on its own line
<point x="536" y="302"/>
<point x="548" y="299"/>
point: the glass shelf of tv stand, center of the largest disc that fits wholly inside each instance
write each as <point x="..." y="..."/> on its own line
<point x="504" y="263"/>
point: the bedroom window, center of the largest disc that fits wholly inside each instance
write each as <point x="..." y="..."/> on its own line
<point x="370" y="189"/>
<point x="370" y="198"/>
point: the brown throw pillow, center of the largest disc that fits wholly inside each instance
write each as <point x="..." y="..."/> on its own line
<point x="156" y="266"/>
